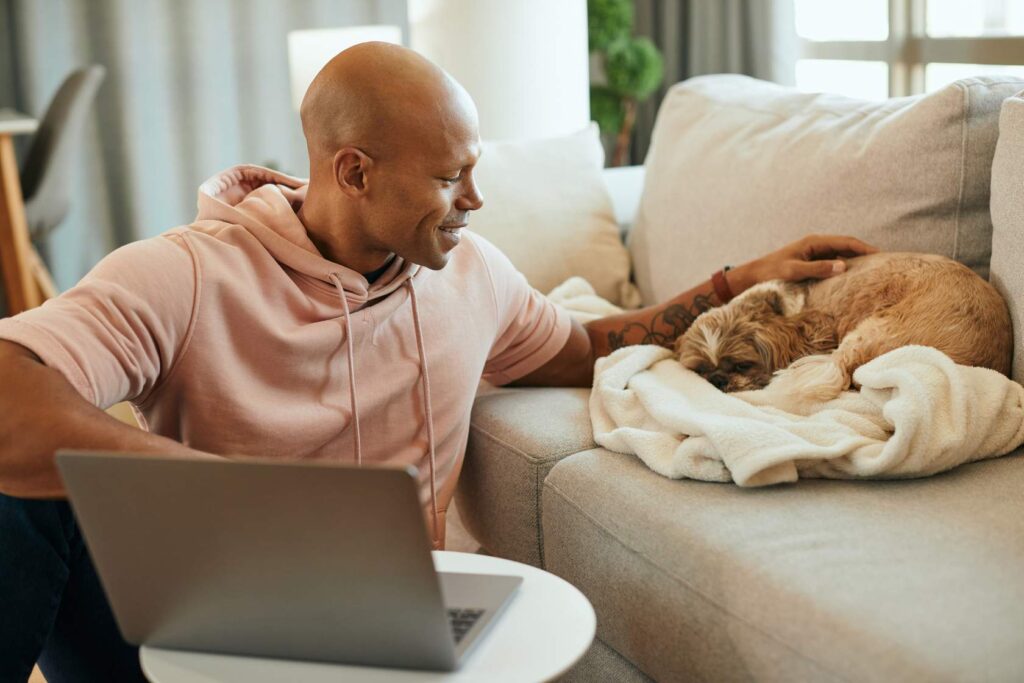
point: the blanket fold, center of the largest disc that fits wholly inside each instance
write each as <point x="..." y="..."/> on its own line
<point x="917" y="413"/>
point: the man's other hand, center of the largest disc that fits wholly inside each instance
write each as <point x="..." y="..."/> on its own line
<point x="813" y="257"/>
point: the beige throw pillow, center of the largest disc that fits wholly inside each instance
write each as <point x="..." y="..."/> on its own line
<point x="1008" y="221"/>
<point x="739" y="167"/>
<point x="546" y="206"/>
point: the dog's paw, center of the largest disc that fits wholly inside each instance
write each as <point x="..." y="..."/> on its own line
<point x="811" y="379"/>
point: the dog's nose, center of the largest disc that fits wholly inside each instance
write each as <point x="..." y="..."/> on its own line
<point x="719" y="380"/>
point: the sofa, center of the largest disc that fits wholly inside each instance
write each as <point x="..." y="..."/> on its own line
<point x="919" y="579"/>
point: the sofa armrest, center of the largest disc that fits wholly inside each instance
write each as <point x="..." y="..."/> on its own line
<point x="516" y="436"/>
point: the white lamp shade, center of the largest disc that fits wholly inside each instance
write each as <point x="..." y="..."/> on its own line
<point x="310" y="50"/>
<point x="524" y="62"/>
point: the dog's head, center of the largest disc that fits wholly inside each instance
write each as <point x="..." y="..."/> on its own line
<point x="742" y="344"/>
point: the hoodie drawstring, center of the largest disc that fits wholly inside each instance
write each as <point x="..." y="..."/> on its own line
<point x="426" y="401"/>
<point x="351" y="367"/>
<point x="428" y="408"/>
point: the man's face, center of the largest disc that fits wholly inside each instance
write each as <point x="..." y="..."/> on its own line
<point x="420" y="197"/>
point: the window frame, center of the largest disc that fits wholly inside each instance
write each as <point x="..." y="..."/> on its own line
<point x="909" y="48"/>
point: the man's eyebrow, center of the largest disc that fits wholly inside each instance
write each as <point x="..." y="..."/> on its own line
<point x="465" y="163"/>
<point x="469" y="160"/>
<point x="475" y="158"/>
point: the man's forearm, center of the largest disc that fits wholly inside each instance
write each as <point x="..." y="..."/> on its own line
<point x="660" y="324"/>
<point x="40" y="412"/>
<point x="813" y="257"/>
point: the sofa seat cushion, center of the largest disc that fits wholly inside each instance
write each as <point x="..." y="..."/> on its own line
<point x="821" y="580"/>
<point x="603" y="664"/>
<point x="515" y="437"/>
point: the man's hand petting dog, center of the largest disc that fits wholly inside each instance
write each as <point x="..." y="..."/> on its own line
<point x="814" y="257"/>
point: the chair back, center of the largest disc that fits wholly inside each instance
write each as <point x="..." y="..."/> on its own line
<point x="46" y="175"/>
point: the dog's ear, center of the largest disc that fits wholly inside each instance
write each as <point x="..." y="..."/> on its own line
<point x="765" y="298"/>
<point x="774" y="345"/>
<point x="773" y="299"/>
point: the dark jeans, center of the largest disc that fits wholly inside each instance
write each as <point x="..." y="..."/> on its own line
<point x="52" y="607"/>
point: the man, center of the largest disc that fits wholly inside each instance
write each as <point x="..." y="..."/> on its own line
<point x="349" y="319"/>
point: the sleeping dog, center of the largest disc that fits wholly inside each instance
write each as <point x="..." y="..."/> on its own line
<point x="824" y="330"/>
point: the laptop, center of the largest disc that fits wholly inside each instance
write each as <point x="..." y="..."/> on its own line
<point x="293" y="560"/>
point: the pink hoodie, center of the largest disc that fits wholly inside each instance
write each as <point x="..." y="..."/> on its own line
<point x="235" y="336"/>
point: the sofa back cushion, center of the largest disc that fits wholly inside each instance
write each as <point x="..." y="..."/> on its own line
<point x="739" y="167"/>
<point x="1008" y="221"/>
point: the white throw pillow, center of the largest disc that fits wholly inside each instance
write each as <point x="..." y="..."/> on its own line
<point x="739" y="167"/>
<point x="546" y="206"/>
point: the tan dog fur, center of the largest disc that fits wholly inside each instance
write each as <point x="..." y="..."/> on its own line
<point x="882" y="301"/>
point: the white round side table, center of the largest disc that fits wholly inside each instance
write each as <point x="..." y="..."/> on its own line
<point x="542" y="632"/>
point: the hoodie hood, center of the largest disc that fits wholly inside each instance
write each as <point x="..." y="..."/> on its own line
<point x="266" y="203"/>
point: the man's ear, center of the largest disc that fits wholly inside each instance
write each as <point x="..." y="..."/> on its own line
<point x="351" y="170"/>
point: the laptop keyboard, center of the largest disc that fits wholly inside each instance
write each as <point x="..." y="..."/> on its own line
<point x="462" y="619"/>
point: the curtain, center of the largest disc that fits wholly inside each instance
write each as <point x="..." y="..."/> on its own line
<point x="192" y="87"/>
<point x="753" y="37"/>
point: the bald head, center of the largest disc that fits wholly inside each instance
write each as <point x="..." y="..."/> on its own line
<point x="381" y="98"/>
<point x="393" y="142"/>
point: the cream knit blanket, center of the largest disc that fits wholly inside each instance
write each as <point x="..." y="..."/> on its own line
<point x="917" y="413"/>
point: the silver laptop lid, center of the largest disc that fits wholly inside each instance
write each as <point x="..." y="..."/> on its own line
<point x="296" y="560"/>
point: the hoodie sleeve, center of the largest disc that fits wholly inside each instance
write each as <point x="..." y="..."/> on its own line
<point x="117" y="333"/>
<point x="530" y="329"/>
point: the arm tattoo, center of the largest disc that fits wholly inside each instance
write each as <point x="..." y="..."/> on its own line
<point x="673" y="321"/>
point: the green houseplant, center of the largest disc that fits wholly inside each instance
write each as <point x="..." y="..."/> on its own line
<point x="630" y="70"/>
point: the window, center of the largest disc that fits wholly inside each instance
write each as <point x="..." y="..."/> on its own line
<point x="875" y="49"/>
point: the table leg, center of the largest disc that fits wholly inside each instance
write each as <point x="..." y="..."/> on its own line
<point x="15" y="245"/>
